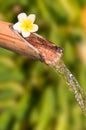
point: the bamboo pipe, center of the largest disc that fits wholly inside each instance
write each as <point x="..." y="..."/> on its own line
<point x="34" y="46"/>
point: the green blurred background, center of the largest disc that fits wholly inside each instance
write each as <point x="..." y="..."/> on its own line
<point x="32" y="95"/>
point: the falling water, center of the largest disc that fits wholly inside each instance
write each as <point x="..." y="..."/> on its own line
<point x="73" y="84"/>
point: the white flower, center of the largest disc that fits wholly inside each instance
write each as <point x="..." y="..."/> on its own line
<point x="25" y="24"/>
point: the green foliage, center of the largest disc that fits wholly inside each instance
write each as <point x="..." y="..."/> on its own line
<point x="32" y="95"/>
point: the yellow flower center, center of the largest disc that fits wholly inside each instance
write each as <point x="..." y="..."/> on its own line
<point x="26" y="25"/>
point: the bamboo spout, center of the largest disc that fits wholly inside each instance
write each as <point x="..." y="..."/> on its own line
<point x="34" y="46"/>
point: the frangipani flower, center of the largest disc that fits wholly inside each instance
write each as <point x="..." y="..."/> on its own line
<point x="25" y="24"/>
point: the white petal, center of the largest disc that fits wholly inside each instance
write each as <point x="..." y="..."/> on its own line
<point x="35" y="28"/>
<point x="17" y="27"/>
<point x="22" y="16"/>
<point x="32" y="17"/>
<point x="25" y="34"/>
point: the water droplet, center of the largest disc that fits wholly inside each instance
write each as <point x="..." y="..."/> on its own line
<point x="70" y="75"/>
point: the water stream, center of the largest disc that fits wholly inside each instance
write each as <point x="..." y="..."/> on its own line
<point x="73" y="84"/>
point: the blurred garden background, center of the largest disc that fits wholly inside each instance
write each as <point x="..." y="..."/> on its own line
<point x="32" y="95"/>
